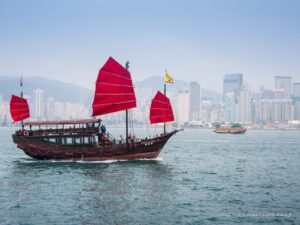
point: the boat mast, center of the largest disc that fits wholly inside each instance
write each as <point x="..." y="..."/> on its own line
<point x="21" y="86"/>
<point x="165" y="93"/>
<point x="126" y="113"/>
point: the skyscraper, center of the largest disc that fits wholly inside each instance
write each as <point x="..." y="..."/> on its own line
<point x="244" y="105"/>
<point x="38" y="104"/>
<point x="296" y="90"/>
<point x="50" y="108"/>
<point x="195" y="101"/>
<point x="285" y="83"/>
<point x="230" y="107"/>
<point x="296" y="98"/>
<point x="232" y="83"/>
<point x="183" y="106"/>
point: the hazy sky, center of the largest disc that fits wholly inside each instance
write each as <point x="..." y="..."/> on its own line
<point x="195" y="40"/>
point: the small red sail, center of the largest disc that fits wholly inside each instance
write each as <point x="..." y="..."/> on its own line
<point x="19" y="109"/>
<point x="161" y="109"/>
<point x="114" y="89"/>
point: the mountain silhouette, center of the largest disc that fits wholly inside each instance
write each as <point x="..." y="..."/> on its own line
<point x="68" y="92"/>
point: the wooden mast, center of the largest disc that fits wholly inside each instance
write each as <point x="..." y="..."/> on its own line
<point x="21" y="86"/>
<point x="126" y="113"/>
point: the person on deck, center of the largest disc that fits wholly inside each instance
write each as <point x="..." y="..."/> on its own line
<point x="103" y="129"/>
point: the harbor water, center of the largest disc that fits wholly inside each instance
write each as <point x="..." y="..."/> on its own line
<point x="199" y="178"/>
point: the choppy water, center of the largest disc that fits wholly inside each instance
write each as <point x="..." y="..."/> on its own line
<point x="200" y="178"/>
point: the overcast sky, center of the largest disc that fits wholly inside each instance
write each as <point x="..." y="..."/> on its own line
<point x="195" y="40"/>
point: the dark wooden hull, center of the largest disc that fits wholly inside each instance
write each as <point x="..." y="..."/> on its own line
<point x="144" y="149"/>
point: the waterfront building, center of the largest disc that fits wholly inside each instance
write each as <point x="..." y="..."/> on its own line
<point x="50" y="108"/>
<point x="183" y="106"/>
<point x="206" y="107"/>
<point x="38" y="104"/>
<point x="285" y="83"/>
<point x="230" y="107"/>
<point x="296" y="90"/>
<point x="296" y="99"/>
<point x="195" y="101"/>
<point x="244" y="105"/>
<point x="232" y="83"/>
<point x="276" y="110"/>
<point x="59" y="110"/>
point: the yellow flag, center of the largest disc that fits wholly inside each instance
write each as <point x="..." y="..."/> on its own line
<point x="168" y="78"/>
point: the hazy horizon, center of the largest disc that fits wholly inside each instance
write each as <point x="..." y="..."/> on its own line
<point x="194" y="40"/>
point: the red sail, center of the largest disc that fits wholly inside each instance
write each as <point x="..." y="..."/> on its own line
<point x="19" y="109"/>
<point x="114" y="90"/>
<point x="161" y="109"/>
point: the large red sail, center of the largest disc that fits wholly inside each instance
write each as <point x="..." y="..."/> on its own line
<point x="114" y="89"/>
<point x="161" y="109"/>
<point x="19" y="109"/>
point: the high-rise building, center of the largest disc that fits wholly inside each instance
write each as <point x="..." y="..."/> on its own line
<point x="195" y="101"/>
<point x="244" y="105"/>
<point x="284" y="83"/>
<point x="59" y="110"/>
<point x="230" y="107"/>
<point x="276" y="110"/>
<point x="38" y="104"/>
<point x="232" y="83"/>
<point x="296" y="98"/>
<point x="296" y="90"/>
<point x="206" y="107"/>
<point x="183" y="106"/>
<point x="50" y="108"/>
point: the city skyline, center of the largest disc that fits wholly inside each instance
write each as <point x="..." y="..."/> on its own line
<point x="194" y="40"/>
<point x="278" y="105"/>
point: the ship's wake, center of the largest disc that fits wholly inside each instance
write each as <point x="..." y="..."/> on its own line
<point x="89" y="162"/>
<point x="122" y="160"/>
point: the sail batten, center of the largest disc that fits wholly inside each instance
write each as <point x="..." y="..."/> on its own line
<point x="19" y="109"/>
<point x="161" y="109"/>
<point x="114" y="89"/>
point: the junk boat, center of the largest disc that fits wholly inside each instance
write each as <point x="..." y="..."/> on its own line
<point x="234" y="129"/>
<point x="86" y="139"/>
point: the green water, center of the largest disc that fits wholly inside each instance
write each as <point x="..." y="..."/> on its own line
<point x="200" y="178"/>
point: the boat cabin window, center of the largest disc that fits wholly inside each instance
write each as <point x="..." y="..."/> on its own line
<point x="52" y="140"/>
<point x="68" y="141"/>
<point x="77" y="140"/>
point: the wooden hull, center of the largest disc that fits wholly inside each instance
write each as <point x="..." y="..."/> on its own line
<point x="147" y="149"/>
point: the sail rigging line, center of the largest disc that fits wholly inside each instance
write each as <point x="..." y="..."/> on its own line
<point x="115" y="94"/>
<point x="114" y="103"/>
<point x="160" y="116"/>
<point x="116" y="75"/>
<point x="117" y="85"/>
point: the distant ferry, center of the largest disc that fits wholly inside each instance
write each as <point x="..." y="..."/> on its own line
<point x="226" y="129"/>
